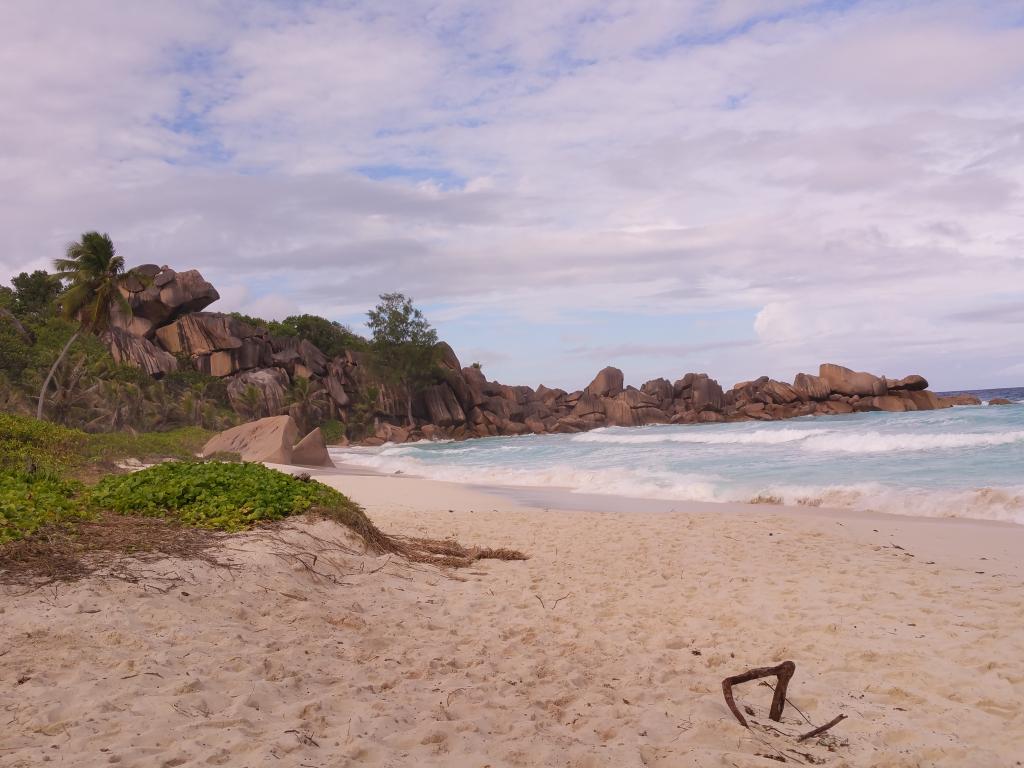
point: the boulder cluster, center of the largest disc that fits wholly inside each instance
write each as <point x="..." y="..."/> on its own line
<point x="467" y="405"/>
<point x="169" y="327"/>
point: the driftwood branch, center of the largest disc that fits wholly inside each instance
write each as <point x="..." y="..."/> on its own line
<point x="784" y="672"/>
<point x="834" y="721"/>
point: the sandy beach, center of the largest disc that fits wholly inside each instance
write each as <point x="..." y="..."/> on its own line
<point x="606" y="648"/>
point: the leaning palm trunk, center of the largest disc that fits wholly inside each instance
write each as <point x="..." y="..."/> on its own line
<point x="53" y="370"/>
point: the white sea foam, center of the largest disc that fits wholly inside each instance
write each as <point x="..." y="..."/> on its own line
<point x="880" y="442"/>
<point x="706" y="435"/>
<point x="839" y="441"/>
<point x="952" y="463"/>
<point x="1005" y="504"/>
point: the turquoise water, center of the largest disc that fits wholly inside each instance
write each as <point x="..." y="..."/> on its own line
<point x="957" y="462"/>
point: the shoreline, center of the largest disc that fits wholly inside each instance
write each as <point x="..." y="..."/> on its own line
<point x="957" y="540"/>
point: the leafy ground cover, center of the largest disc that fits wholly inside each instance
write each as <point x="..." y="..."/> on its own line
<point x="221" y="496"/>
<point x="30" y="501"/>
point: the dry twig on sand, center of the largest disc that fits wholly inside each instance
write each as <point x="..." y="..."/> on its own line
<point x="821" y="729"/>
<point x="783" y="671"/>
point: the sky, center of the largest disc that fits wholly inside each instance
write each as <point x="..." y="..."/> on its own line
<point x="742" y="187"/>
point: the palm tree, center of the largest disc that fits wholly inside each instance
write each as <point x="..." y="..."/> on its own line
<point x="94" y="274"/>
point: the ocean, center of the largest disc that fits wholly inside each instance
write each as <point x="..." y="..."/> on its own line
<point x="958" y="462"/>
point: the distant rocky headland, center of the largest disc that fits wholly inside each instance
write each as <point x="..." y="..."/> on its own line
<point x="169" y="328"/>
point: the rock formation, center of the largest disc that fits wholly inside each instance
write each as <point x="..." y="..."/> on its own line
<point x="270" y="439"/>
<point x="170" y="327"/>
<point x="311" y="451"/>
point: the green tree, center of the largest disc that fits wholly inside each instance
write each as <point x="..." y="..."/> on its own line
<point x="94" y="274"/>
<point x="404" y="343"/>
<point x="331" y="337"/>
<point x="34" y="294"/>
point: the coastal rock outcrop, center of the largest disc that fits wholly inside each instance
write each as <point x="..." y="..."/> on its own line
<point x="311" y="451"/>
<point x="607" y="383"/>
<point x="843" y="381"/>
<point x="270" y="439"/>
<point x="811" y="387"/>
<point x="261" y="371"/>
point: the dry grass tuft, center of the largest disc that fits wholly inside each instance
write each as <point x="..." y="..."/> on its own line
<point x="119" y="546"/>
<point x="111" y="544"/>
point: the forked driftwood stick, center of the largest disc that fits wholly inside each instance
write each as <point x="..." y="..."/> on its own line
<point x="783" y="671"/>
<point x="834" y="721"/>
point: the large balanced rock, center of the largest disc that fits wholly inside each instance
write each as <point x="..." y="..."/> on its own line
<point x="844" y="381"/>
<point x="311" y="451"/>
<point x="159" y="295"/>
<point x="607" y="383"/>
<point x="140" y="352"/>
<point x="912" y="383"/>
<point x="270" y="439"/>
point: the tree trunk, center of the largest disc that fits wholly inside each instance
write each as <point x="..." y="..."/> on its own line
<point x="53" y="370"/>
<point x="408" y="406"/>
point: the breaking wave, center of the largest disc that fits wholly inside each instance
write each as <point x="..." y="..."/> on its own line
<point x="951" y="463"/>
<point x="814" y="439"/>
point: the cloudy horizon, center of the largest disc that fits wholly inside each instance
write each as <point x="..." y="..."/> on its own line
<point x="742" y="188"/>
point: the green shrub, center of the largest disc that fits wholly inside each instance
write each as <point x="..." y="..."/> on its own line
<point x="227" y="497"/>
<point x="109" y="447"/>
<point x="26" y="442"/>
<point x="28" y="501"/>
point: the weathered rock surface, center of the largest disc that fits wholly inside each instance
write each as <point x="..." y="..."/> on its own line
<point x="962" y="399"/>
<point x="911" y="383"/>
<point x="271" y="439"/>
<point x="607" y="383"/>
<point x="220" y="345"/>
<point x="844" y="381"/>
<point x="270" y="388"/>
<point x="811" y="387"/>
<point x="160" y="295"/>
<point x="1000" y="401"/>
<point x="311" y="451"/>
<point x="140" y="352"/>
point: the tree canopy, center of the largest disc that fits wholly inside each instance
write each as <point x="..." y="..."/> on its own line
<point x="405" y="344"/>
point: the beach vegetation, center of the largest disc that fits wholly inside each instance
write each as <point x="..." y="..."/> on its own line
<point x="221" y="496"/>
<point x="33" y="446"/>
<point x="30" y="500"/>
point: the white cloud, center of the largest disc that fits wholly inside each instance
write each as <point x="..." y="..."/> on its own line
<point x="849" y="172"/>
